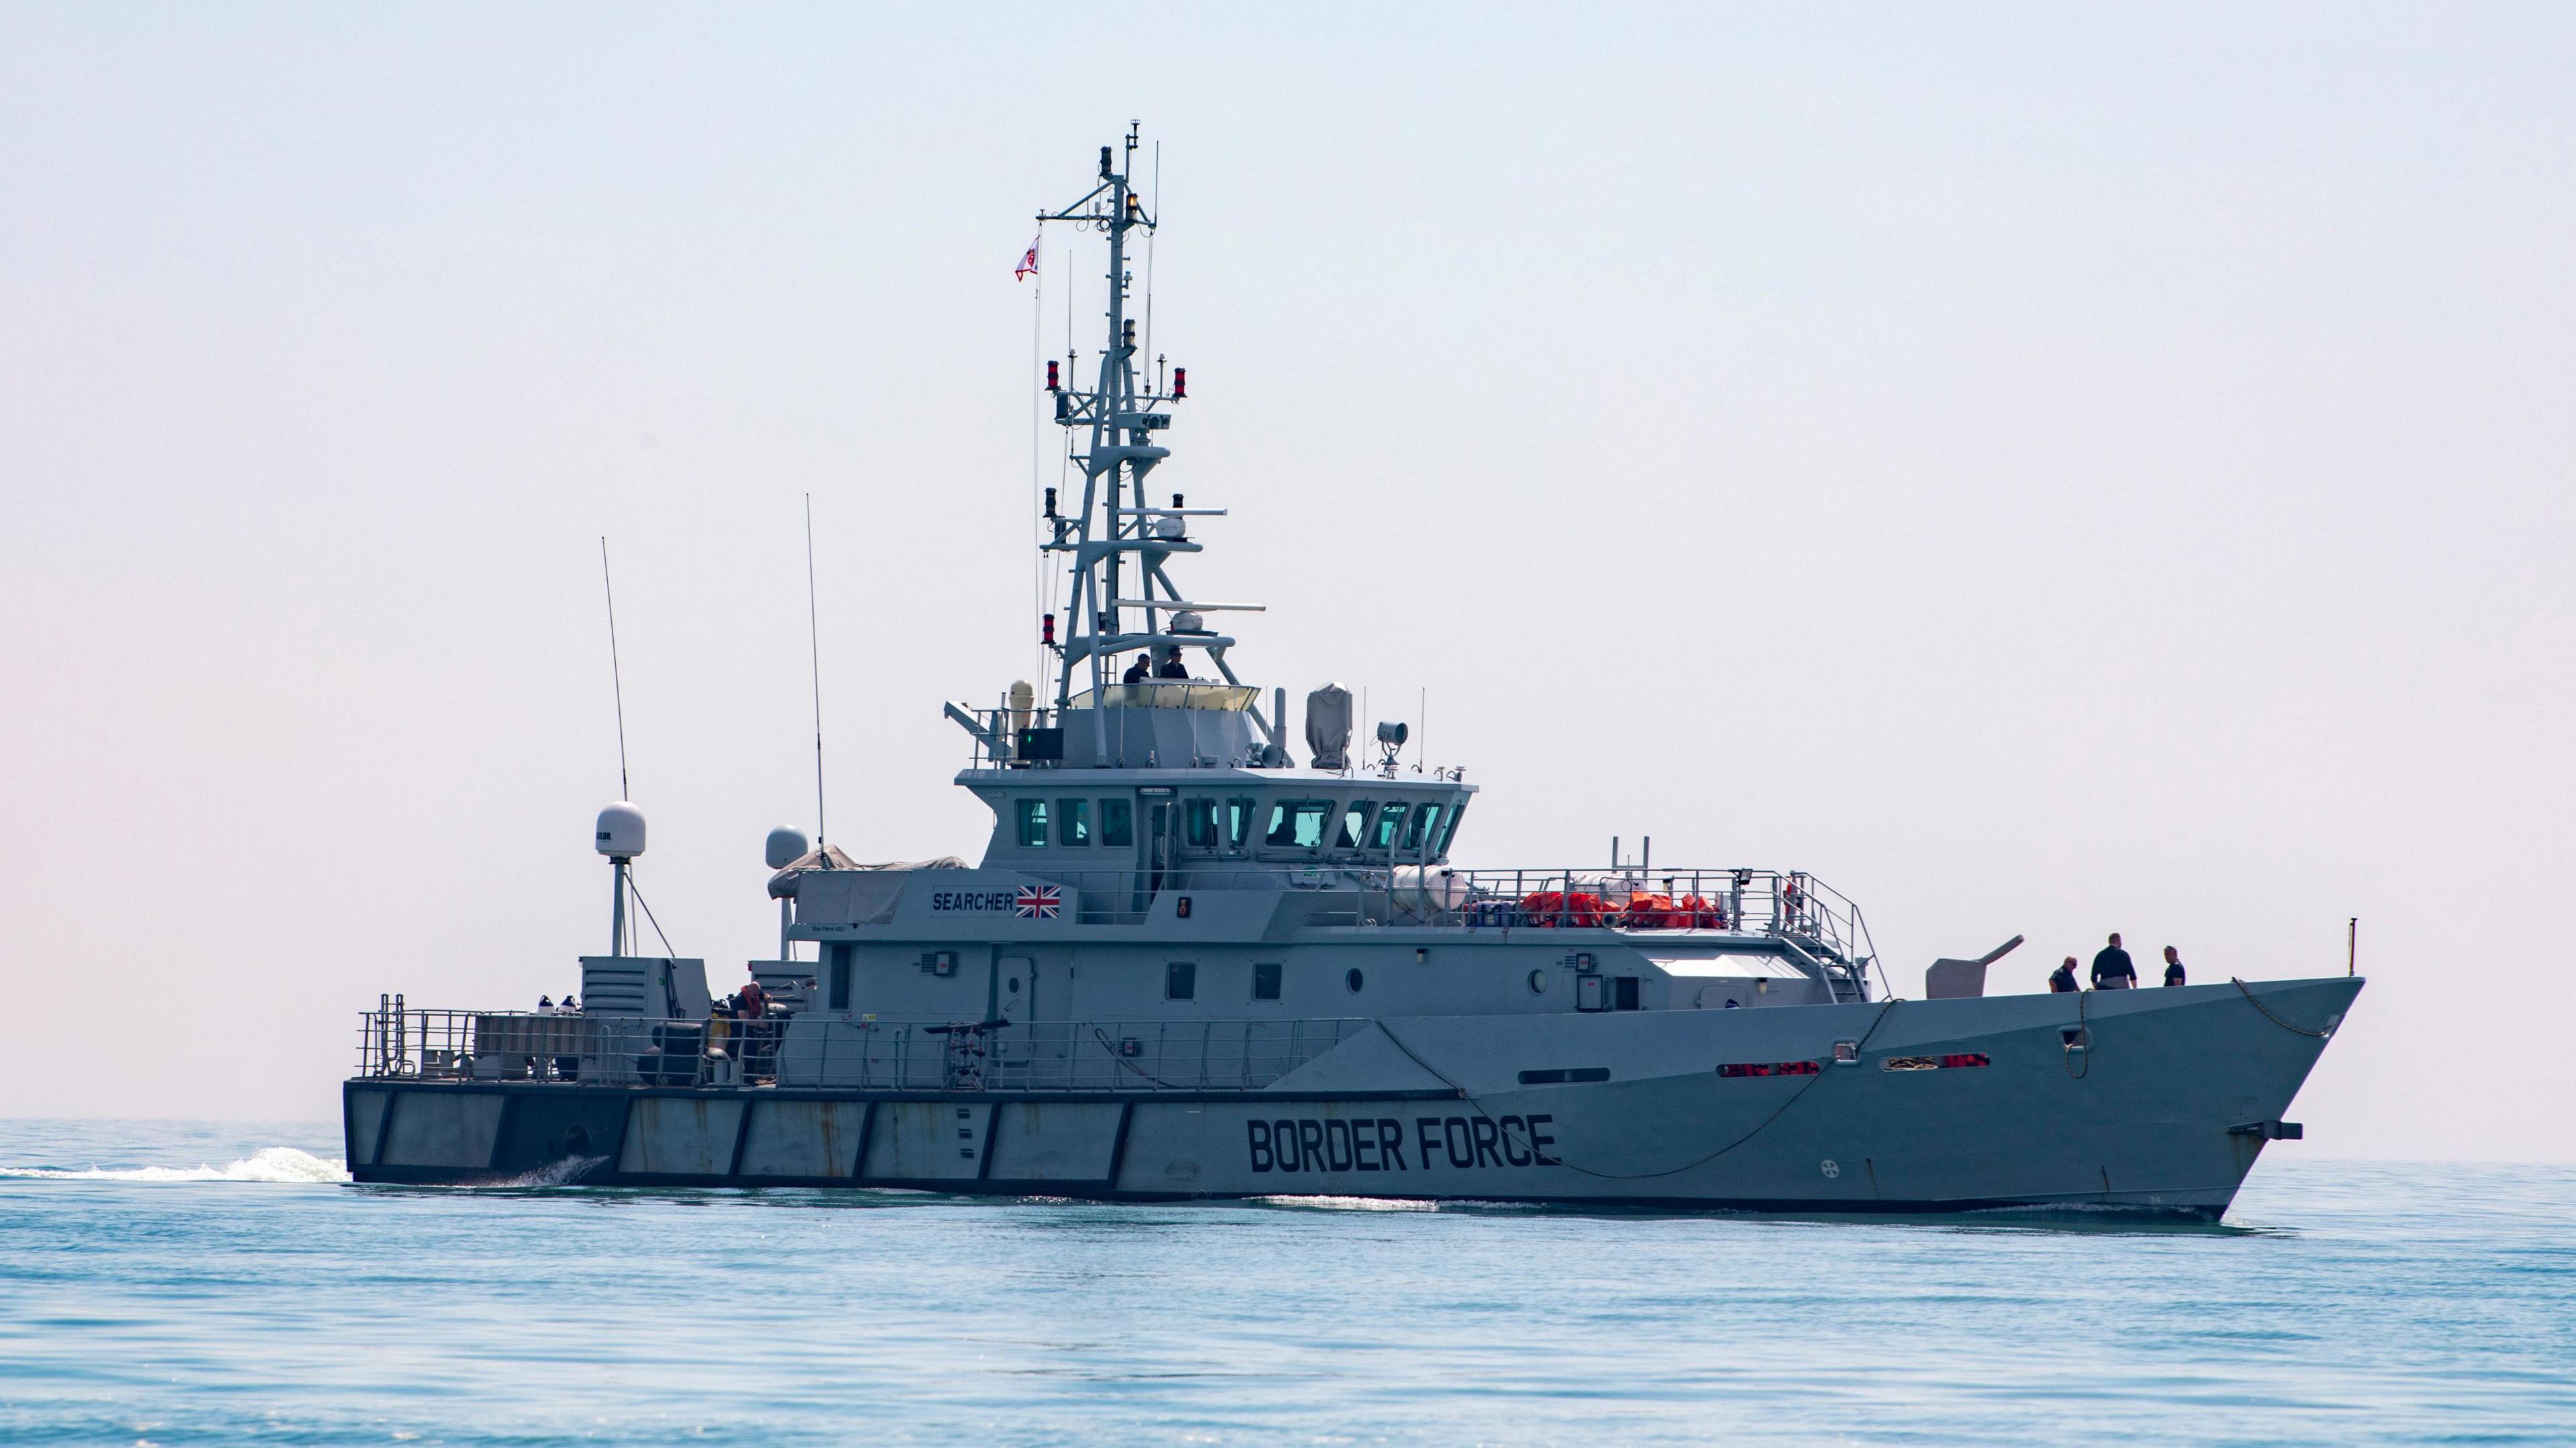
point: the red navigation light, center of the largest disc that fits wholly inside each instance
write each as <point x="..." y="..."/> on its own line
<point x="1053" y="384"/>
<point x="1046" y="629"/>
<point x="1180" y="383"/>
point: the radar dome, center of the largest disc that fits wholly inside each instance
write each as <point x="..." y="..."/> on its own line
<point x="621" y="831"/>
<point x="786" y="847"/>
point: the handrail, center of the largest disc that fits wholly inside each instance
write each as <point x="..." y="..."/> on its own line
<point x="814" y="1050"/>
<point x="1791" y="904"/>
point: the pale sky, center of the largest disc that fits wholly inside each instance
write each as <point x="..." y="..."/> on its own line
<point x="2044" y="469"/>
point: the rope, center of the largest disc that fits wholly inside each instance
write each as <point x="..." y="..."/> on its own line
<point x="2276" y="1020"/>
<point x="1758" y="1129"/>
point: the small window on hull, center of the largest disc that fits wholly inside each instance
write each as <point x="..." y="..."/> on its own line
<point x="1569" y="1074"/>
<point x="1265" y="980"/>
<point x="1180" y="981"/>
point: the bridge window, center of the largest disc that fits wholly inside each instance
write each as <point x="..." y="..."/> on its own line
<point x="1426" y="821"/>
<point x="1450" y="831"/>
<point x="1033" y="824"/>
<point x="1298" y="823"/>
<point x="1117" y="823"/>
<point x="1198" y="823"/>
<point x="1390" y="822"/>
<point x="1355" y="824"/>
<point x="1073" y="822"/>
<point x="1181" y="981"/>
<point x="1265" y="980"/>
<point x="1238" y="823"/>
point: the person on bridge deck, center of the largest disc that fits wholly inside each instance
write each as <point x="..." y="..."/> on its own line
<point x="2061" y="981"/>
<point x="545" y="1004"/>
<point x="2111" y="968"/>
<point x="2173" y="966"/>
<point x="1172" y="667"/>
<point x="1139" y="671"/>
<point x="755" y="1002"/>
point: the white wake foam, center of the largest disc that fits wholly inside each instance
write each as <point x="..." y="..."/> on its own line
<point x="268" y="1164"/>
<point x="555" y="1173"/>
<point x="1352" y="1204"/>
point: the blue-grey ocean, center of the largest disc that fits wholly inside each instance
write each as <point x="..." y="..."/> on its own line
<point x="170" y="1283"/>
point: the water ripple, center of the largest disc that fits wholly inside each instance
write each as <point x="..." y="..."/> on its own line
<point x="148" y="1295"/>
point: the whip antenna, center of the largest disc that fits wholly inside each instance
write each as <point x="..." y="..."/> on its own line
<point x="616" y="679"/>
<point x="814" y="647"/>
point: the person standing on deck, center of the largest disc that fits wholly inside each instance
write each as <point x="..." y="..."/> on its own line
<point x="2111" y="968"/>
<point x="2173" y="966"/>
<point x="2061" y="981"/>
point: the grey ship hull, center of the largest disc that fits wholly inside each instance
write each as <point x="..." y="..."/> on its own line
<point x="2162" y="1113"/>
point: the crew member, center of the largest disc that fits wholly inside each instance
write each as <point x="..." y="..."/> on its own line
<point x="1139" y="671"/>
<point x="2111" y="968"/>
<point x="2061" y="981"/>
<point x="2173" y="966"/>
<point x="1172" y="667"/>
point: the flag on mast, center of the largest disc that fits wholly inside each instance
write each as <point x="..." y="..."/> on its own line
<point x="1028" y="264"/>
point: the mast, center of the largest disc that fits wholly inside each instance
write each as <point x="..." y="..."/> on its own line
<point x="1116" y="542"/>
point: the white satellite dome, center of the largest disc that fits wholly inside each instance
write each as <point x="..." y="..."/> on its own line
<point x="786" y="847"/>
<point x="621" y="831"/>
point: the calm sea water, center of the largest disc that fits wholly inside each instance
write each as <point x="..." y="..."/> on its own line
<point x="169" y="1283"/>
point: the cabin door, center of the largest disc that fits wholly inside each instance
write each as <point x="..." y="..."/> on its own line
<point x="1158" y="846"/>
<point x="1048" y="1014"/>
<point x="1014" y="985"/>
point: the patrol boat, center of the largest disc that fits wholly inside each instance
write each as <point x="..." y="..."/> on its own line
<point x="1190" y="964"/>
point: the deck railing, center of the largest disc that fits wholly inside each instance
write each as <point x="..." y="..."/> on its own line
<point x="400" y="1042"/>
<point x="1789" y="903"/>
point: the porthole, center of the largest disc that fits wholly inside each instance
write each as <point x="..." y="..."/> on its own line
<point x="1353" y="980"/>
<point x="1538" y="982"/>
<point x="1014" y="984"/>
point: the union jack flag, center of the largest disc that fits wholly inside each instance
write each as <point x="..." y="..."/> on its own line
<point x="1040" y="902"/>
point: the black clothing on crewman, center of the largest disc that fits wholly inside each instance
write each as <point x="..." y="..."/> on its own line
<point x="1138" y="671"/>
<point x="2062" y="979"/>
<point x="2173" y="972"/>
<point x="2113" y="962"/>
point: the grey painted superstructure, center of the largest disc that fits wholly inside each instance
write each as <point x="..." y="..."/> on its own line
<point x="1185" y="965"/>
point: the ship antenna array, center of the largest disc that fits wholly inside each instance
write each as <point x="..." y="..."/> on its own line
<point x="1112" y="535"/>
